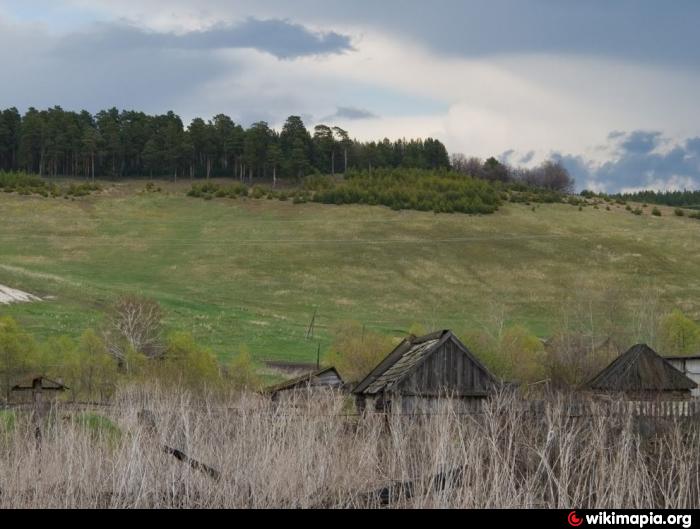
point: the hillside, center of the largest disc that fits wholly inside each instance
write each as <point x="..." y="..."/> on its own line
<point x="254" y="271"/>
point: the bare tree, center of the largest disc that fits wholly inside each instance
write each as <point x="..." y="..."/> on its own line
<point x="555" y="176"/>
<point x="135" y="324"/>
<point x="471" y="166"/>
<point x="550" y="175"/>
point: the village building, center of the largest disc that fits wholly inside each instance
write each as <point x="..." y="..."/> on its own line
<point x="690" y="367"/>
<point x="641" y="374"/>
<point x="306" y="385"/>
<point x="423" y="373"/>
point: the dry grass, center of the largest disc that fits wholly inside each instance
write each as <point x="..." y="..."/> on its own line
<point x="318" y="456"/>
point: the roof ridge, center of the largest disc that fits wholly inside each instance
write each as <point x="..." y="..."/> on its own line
<point x="658" y="375"/>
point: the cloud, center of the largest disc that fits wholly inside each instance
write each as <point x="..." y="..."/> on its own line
<point x="280" y="38"/>
<point x="645" y="31"/>
<point x="527" y="158"/>
<point x="640" y="164"/>
<point x="235" y="69"/>
<point x="349" y="113"/>
<point x="640" y="142"/>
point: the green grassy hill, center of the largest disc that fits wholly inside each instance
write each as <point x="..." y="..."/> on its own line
<point x="254" y="271"/>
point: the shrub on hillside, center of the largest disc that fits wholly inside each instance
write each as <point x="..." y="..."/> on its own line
<point x="240" y="371"/>
<point x="18" y="353"/>
<point x="186" y="363"/>
<point x="438" y="191"/>
<point x="27" y="184"/>
<point x="679" y="335"/>
<point x="356" y="351"/>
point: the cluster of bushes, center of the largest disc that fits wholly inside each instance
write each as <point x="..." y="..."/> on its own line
<point x="685" y="198"/>
<point x="132" y="346"/>
<point x="422" y="190"/>
<point x="438" y="191"/>
<point x="81" y="190"/>
<point x="522" y="194"/>
<point x="209" y="190"/>
<point x="152" y="188"/>
<point x="29" y="184"/>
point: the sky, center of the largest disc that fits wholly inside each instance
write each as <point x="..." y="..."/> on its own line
<point x="609" y="87"/>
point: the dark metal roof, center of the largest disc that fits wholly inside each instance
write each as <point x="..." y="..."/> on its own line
<point x="640" y="369"/>
<point x="407" y="357"/>
<point x="302" y="380"/>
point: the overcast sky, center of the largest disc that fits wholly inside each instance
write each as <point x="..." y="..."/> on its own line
<point x="610" y="87"/>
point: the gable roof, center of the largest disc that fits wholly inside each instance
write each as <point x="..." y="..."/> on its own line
<point x="303" y="380"/>
<point x="407" y="357"/>
<point x="38" y="382"/>
<point x="640" y="369"/>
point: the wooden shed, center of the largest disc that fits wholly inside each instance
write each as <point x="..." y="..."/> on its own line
<point x="642" y="374"/>
<point x="690" y="367"/>
<point x="322" y="379"/>
<point x="423" y="373"/>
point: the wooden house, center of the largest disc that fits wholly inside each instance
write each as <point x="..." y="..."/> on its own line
<point x="690" y="367"/>
<point x="422" y="374"/>
<point x="641" y="374"/>
<point x="305" y="385"/>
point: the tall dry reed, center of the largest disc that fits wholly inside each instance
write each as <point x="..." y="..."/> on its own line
<point x="313" y="453"/>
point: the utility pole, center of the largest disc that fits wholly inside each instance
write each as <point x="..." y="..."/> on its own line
<point x="310" y="330"/>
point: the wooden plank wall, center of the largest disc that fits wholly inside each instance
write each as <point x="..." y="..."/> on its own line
<point x="447" y="370"/>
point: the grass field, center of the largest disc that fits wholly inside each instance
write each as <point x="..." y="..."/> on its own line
<point x="254" y="272"/>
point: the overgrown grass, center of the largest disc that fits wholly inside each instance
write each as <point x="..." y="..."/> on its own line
<point x="7" y="421"/>
<point x="99" y="427"/>
<point x="314" y="455"/>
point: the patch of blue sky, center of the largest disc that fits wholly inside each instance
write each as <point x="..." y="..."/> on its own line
<point x="56" y="15"/>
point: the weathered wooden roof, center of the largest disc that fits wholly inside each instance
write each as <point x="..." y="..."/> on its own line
<point x="403" y="360"/>
<point x="640" y="369"/>
<point x="39" y="382"/>
<point x="683" y="357"/>
<point x="307" y="379"/>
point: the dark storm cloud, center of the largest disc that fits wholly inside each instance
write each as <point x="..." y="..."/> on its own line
<point x="641" y="30"/>
<point x="47" y="73"/>
<point x="116" y="64"/>
<point x="640" y="142"/>
<point x="281" y="38"/>
<point x="641" y="163"/>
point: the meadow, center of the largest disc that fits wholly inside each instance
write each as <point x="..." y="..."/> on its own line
<point x="252" y="273"/>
